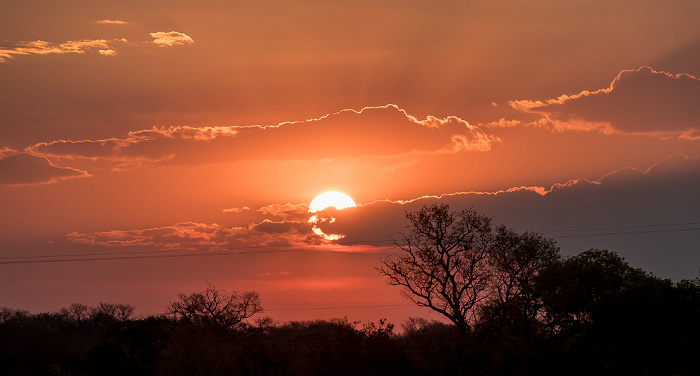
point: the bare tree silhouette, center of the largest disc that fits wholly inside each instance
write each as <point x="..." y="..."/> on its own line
<point x="215" y="308"/>
<point x="458" y="265"/>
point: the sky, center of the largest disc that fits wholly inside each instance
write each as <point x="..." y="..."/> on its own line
<point x="148" y="148"/>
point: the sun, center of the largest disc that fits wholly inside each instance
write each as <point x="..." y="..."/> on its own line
<point x="335" y="199"/>
<point x="325" y="200"/>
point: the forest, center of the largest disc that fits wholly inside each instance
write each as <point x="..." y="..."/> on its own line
<point x="512" y="306"/>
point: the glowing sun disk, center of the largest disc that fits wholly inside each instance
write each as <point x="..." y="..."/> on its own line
<point x="325" y="200"/>
<point x="335" y="199"/>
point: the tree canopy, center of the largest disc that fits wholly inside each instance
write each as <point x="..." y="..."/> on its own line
<point x="460" y="265"/>
<point x="215" y="308"/>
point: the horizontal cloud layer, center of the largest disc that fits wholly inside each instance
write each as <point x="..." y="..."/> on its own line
<point x="25" y="169"/>
<point x="40" y="47"/>
<point x="112" y="22"/>
<point x="642" y="101"/>
<point x="198" y="236"/>
<point x="373" y="131"/>
<point x="181" y="236"/>
<point x="648" y="216"/>
<point x="660" y="200"/>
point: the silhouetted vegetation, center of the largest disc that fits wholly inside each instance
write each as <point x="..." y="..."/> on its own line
<point x="460" y="266"/>
<point x="597" y="315"/>
<point x="216" y="309"/>
<point x="539" y="314"/>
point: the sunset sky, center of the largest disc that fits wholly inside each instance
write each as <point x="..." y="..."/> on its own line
<point x="150" y="147"/>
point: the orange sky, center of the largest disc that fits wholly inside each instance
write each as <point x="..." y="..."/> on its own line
<point x="182" y="129"/>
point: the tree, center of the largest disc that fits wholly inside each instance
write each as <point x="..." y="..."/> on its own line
<point x="514" y="261"/>
<point x="606" y="317"/>
<point x="215" y="308"/>
<point x="76" y="312"/>
<point x="8" y="314"/>
<point x="110" y="312"/>
<point x="457" y="265"/>
<point x="573" y="291"/>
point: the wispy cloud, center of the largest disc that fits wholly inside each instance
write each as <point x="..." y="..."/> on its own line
<point x="5" y="151"/>
<point x="504" y="123"/>
<point x="25" y="169"/>
<point x="172" y="38"/>
<point x="105" y="46"/>
<point x="182" y="133"/>
<point x="641" y="101"/>
<point x="203" y="236"/>
<point x="188" y="235"/>
<point x="295" y="212"/>
<point x="40" y="47"/>
<point x="112" y="22"/>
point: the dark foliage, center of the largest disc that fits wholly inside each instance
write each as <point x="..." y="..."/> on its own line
<point x="51" y="343"/>
<point x="598" y="316"/>
<point x="216" y="309"/>
<point x="591" y="314"/>
<point x="597" y="307"/>
<point x="474" y="274"/>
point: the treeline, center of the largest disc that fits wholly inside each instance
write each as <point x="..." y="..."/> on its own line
<point x="595" y="315"/>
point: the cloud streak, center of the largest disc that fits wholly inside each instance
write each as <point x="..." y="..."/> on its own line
<point x="40" y="47"/>
<point x="641" y="101"/>
<point x="190" y="236"/>
<point x="112" y="22"/>
<point x="104" y="46"/>
<point x="25" y="169"/>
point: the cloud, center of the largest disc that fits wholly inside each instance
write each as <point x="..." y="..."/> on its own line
<point x="613" y="212"/>
<point x="25" y="169"/>
<point x="40" y="47"/>
<point x="297" y="212"/>
<point x="281" y="226"/>
<point x="104" y="46"/>
<point x="642" y="101"/>
<point x="270" y="227"/>
<point x="187" y="235"/>
<point x="136" y="146"/>
<point x="112" y="22"/>
<point x="647" y="215"/>
<point x="182" y="132"/>
<point x="202" y="236"/>
<point x="371" y="132"/>
<point x="503" y="123"/>
<point x="172" y="38"/>
<point x="5" y="151"/>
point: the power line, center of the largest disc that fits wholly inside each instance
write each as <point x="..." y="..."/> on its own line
<point x="627" y="227"/>
<point x="267" y="249"/>
<point x="209" y="253"/>
<point x="625" y="232"/>
<point x="165" y="253"/>
<point x="187" y="250"/>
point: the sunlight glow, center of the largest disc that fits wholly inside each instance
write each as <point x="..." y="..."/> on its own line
<point x="325" y="200"/>
<point x="335" y="199"/>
